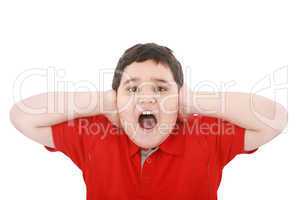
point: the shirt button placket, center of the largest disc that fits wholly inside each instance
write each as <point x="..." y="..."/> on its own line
<point x="145" y="180"/>
<point x="149" y="160"/>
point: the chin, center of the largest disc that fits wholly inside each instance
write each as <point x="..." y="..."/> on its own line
<point x="148" y="144"/>
<point x="147" y="138"/>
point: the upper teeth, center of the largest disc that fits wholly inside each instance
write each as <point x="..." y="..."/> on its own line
<point x="147" y="112"/>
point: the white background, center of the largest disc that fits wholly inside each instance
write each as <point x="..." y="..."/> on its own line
<point x="253" y="43"/>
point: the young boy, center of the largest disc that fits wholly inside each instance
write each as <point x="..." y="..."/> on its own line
<point x="150" y="137"/>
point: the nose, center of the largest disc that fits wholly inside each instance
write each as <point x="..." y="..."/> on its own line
<point x="146" y="94"/>
<point x="146" y="98"/>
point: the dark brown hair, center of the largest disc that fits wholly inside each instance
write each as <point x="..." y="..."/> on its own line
<point x="148" y="51"/>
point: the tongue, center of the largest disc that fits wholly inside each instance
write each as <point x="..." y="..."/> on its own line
<point x="148" y="122"/>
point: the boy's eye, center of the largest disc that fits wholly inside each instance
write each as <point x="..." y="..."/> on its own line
<point x="135" y="89"/>
<point x="161" y="89"/>
<point x="132" y="89"/>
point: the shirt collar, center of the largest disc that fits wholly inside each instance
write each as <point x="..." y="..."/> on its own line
<point x="173" y="144"/>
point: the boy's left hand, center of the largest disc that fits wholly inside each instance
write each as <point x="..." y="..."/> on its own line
<point x="185" y="101"/>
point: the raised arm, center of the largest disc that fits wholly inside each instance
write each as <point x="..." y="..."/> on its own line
<point x="34" y="116"/>
<point x="262" y="118"/>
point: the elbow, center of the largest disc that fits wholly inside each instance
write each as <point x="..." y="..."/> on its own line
<point x="16" y="117"/>
<point x="278" y="124"/>
<point x="283" y="117"/>
<point x="13" y="114"/>
<point x="24" y="110"/>
<point x="272" y="116"/>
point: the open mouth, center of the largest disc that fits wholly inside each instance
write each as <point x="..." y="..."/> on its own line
<point x="147" y="120"/>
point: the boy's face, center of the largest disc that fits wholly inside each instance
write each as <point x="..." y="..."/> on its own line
<point x="147" y="101"/>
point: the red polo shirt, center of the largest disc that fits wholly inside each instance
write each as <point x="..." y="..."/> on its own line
<point x="187" y="165"/>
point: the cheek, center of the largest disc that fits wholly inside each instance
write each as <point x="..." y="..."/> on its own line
<point x="123" y="103"/>
<point x="169" y="105"/>
<point x="125" y="107"/>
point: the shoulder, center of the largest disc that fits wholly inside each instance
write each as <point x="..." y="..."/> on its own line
<point x="92" y="129"/>
<point x="93" y="123"/>
<point x="193" y="128"/>
<point x="208" y="125"/>
<point x="197" y="124"/>
<point x="208" y="130"/>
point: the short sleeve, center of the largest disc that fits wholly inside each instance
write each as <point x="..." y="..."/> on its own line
<point x="75" y="137"/>
<point x="225" y="138"/>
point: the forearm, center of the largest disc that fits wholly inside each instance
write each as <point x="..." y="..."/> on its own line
<point x="247" y="110"/>
<point x="54" y="107"/>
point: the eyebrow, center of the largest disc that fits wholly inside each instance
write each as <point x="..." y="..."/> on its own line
<point x="135" y="79"/>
